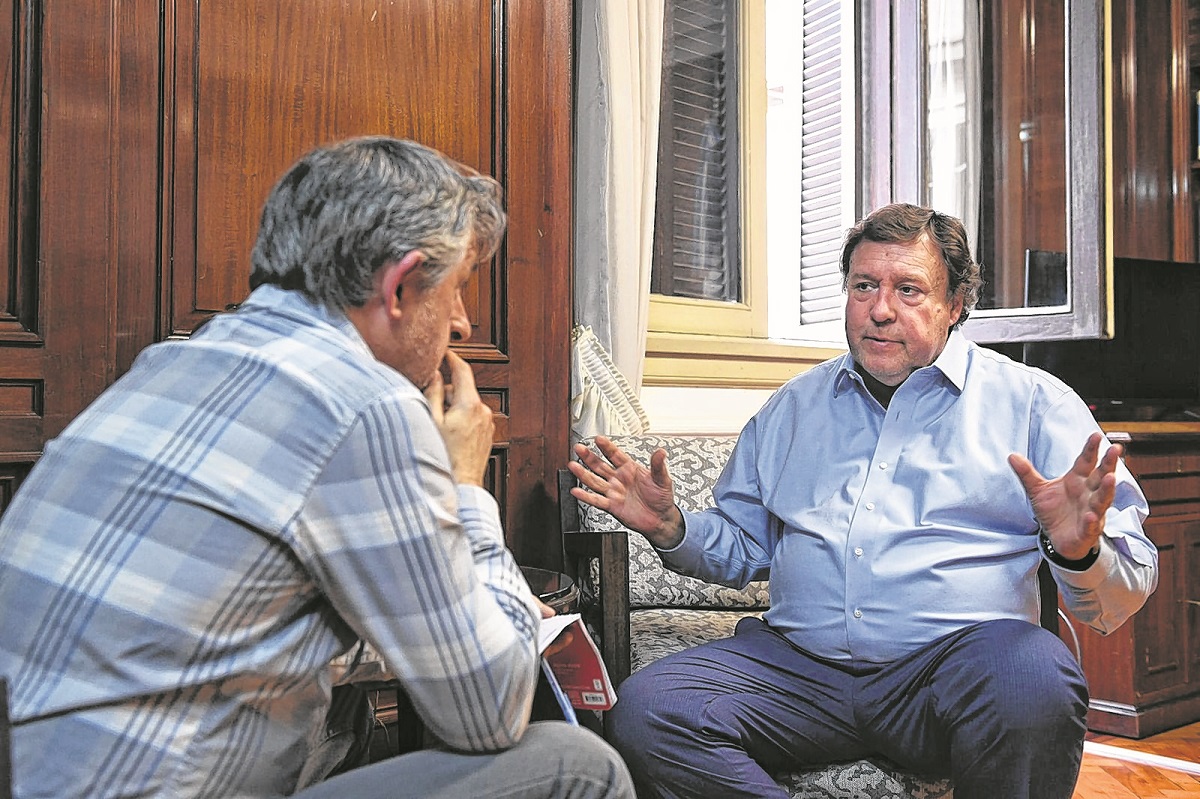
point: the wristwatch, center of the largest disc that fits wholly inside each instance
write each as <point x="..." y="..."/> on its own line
<point x="1082" y="564"/>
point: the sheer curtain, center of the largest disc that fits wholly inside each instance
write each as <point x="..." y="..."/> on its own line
<point x="619" y="47"/>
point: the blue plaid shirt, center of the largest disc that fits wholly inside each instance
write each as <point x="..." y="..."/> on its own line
<point x="185" y="559"/>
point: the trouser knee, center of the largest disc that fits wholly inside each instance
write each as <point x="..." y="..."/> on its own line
<point x="1027" y="681"/>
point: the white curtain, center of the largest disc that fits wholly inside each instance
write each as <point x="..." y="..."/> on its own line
<point x="619" y="47"/>
<point x="602" y="401"/>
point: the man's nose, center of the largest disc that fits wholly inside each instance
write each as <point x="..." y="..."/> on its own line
<point x="460" y="323"/>
<point x="881" y="308"/>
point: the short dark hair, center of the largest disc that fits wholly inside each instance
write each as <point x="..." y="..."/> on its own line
<point x="344" y="210"/>
<point x="904" y="223"/>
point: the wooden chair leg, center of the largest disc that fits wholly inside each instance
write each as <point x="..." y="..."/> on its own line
<point x="6" y="778"/>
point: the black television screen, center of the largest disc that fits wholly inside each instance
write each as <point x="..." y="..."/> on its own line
<point x="1150" y="369"/>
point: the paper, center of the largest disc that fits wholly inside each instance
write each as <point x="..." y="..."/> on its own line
<point x="577" y="671"/>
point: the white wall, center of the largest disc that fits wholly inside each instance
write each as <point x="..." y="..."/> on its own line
<point x="701" y="410"/>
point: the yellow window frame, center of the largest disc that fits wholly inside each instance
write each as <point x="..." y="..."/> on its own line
<point x="694" y="342"/>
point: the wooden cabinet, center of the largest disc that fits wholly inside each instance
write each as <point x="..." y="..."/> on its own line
<point x="1145" y="676"/>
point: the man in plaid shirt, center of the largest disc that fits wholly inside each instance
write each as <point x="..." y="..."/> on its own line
<point x="183" y="562"/>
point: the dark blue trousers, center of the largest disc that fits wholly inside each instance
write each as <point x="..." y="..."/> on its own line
<point x="998" y="707"/>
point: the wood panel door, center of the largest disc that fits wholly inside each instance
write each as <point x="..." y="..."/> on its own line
<point x="143" y="137"/>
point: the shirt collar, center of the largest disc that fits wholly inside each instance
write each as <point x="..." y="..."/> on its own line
<point x="297" y="304"/>
<point x="952" y="362"/>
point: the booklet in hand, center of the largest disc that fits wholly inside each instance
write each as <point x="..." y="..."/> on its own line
<point x="576" y="672"/>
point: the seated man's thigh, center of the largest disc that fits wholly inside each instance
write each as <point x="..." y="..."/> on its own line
<point x="552" y="760"/>
<point x="970" y="689"/>
<point x="754" y="692"/>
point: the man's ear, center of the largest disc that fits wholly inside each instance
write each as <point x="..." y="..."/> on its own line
<point x="393" y="277"/>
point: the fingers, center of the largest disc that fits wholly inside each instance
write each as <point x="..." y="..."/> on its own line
<point x="587" y="477"/>
<point x="611" y="458"/>
<point x="1101" y="497"/>
<point x="1087" y="466"/>
<point x="606" y="463"/>
<point x="592" y="461"/>
<point x="462" y="379"/>
<point x="1086" y="460"/>
<point x="615" y="455"/>
<point x="435" y="392"/>
<point x="466" y="422"/>
<point x="546" y="610"/>
<point x="593" y="498"/>
<point x="658" y="469"/>
<point x="1112" y="456"/>
<point x="1026" y="472"/>
<point x="560" y="643"/>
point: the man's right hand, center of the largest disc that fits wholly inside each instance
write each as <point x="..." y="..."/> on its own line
<point x="641" y="499"/>
<point x="465" y="421"/>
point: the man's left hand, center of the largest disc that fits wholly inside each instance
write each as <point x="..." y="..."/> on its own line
<point x="564" y="638"/>
<point x="1071" y="508"/>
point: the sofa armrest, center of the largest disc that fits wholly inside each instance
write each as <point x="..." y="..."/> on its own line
<point x="611" y="549"/>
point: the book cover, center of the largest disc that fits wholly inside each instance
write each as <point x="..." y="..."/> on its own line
<point x="576" y="670"/>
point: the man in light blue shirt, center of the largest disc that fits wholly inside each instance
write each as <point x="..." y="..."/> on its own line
<point x="181" y="565"/>
<point x="895" y="498"/>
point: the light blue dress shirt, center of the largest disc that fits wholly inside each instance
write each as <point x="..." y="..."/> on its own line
<point x="183" y="562"/>
<point x="884" y="529"/>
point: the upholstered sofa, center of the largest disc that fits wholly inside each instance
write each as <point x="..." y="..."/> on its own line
<point x="642" y="611"/>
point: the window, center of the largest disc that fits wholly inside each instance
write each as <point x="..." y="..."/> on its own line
<point x="807" y="112"/>
<point x="696" y="248"/>
<point x="755" y="191"/>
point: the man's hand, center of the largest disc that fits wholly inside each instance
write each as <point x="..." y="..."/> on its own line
<point x="641" y="499"/>
<point x="466" y="423"/>
<point x="564" y="638"/>
<point x="1071" y="508"/>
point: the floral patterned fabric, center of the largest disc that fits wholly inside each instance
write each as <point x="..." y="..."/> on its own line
<point x="670" y="613"/>
<point x="664" y="631"/>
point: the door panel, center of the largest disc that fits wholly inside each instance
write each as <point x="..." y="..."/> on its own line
<point x="134" y="188"/>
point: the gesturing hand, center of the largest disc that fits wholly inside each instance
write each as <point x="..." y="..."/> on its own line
<point x="1071" y="508"/>
<point x="641" y="499"/>
<point x="464" y="420"/>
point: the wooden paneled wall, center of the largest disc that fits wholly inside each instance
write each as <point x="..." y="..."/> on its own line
<point x="1153" y="130"/>
<point x="140" y="138"/>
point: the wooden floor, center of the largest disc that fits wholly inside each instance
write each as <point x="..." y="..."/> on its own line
<point x="1102" y="777"/>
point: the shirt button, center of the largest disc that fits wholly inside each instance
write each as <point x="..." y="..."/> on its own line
<point x="858" y="551"/>
<point x="883" y="465"/>
<point x="857" y="613"/>
<point x="870" y="506"/>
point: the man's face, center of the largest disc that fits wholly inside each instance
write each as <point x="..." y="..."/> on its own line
<point x="429" y="316"/>
<point x="897" y="314"/>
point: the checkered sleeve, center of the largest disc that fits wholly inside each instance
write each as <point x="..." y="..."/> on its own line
<point x="418" y="567"/>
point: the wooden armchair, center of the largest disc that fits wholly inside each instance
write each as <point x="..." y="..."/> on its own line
<point x="643" y="611"/>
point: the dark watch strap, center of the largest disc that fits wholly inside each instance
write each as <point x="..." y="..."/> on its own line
<point x="1082" y="564"/>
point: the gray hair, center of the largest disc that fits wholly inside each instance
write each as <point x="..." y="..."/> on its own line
<point x="343" y="211"/>
<point x="904" y="223"/>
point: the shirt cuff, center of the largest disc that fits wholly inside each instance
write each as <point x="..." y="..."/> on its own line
<point x="1055" y="557"/>
<point x="1095" y="575"/>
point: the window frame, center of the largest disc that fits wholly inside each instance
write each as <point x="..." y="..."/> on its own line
<point x="698" y="343"/>
<point x="692" y="342"/>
